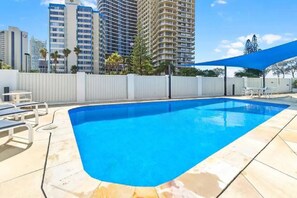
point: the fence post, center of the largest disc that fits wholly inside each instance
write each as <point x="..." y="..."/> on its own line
<point x="245" y="81"/>
<point x="131" y="86"/>
<point x="81" y="87"/>
<point x="200" y="85"/>
<point x="167" y="85"/>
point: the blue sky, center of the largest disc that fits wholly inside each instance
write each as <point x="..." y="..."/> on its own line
<point x="222" y="26"/>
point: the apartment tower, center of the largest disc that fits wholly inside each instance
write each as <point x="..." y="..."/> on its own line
<point x="120" y="25"/>
<point x="13" y="47"/>
<point x="35" y="47"/>
<point x="73" y="25"/>
<point x="168" y="29"/>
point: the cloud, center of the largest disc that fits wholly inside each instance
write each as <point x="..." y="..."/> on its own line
<point x="271" y="38"/>
<point x="90" y="3"/>
<point x="218" y="2"/>
<point x="237" y="45"/>
<point x="229" y="48"/>
<point x="218" y="50"/>
<point x="46" y="2"/>
<point x="233" y="52"/>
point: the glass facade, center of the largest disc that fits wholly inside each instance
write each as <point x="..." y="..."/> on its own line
<point x="84" y="32"/>
<point x="120" y="25"/>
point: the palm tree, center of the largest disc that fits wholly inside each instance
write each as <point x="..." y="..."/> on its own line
<point x="77" y="51"/>
<point x="43" y="52"/>
<point x="55" y="57"/>
<point x="66" y="53"/>
<point x="164" y="68"/>
<point x="113" y="62"/>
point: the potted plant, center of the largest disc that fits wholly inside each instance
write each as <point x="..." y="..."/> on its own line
<point x="294" y="86"/>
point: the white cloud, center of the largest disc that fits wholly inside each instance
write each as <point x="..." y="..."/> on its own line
<point x="229" y="48"/>
<point x="236" y="47"/>
<point x="218" y="2"/>
<point x="233" y="52"/>
<point x="243" y="39"/>
<point x="218" y="50"/>
<point x="90" y="3"/>
<point x="225" y="41"/>
<point x="46" y="2"/>
<point x="271" y="38"/>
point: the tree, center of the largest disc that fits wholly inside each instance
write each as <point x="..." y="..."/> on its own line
<point x="127" y="62"/>
<point x="5" y="66"/>
<point x="209" y="73"/>
<point x="55" y="57"/>
<point x="66" y="53"/>
<point x="219" y="71"/>
<point x="34" y="71"/>
<point x="250" y="47"/>
<point x="188" y="71"/>
<point x="251" y="73"/>
<point x="141" y="61"/>
<point x="43" y="52"/>
<point x="73" y="69"/>
<point x="292" y="67"/>
<point x="113" y="62"/>
<point x="164" y="67"/>
<point x="77" y="51"/>
<point x="279" y="69"/>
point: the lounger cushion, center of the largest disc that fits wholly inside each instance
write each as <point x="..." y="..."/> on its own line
<point x="13" y="111"/>
<point x="6" y="106"/>
<point x="24" y="104"/>
<point x="5" y="124"/>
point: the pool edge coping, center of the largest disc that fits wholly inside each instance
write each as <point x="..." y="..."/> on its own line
<point x="216" y="159"/>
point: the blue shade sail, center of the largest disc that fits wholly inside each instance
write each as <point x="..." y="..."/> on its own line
<point x="258" y="60"/>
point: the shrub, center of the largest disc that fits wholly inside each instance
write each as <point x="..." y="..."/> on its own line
<point x="74" y="69"/>
<point x="294" y="84"/>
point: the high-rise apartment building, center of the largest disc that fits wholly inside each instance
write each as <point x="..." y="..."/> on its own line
<point x="73" y="25"/>
<point x="35" y="47"/>
<point x="168" y="29"/>
<point x="13" y="47"/>
<point x="121" y="25"/>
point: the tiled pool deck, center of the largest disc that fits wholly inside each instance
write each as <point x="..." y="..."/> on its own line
<point x="261" y="163"/>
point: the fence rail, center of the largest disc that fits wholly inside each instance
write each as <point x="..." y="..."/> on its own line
<point x="81" y="87"/>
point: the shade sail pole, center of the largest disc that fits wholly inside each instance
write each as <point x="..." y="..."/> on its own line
<point x="263" y="78"/>
<point x="225" y="82"/>
<point x="169" y="83"/>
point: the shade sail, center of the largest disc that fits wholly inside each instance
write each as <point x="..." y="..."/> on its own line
<point x="258" y="60"/>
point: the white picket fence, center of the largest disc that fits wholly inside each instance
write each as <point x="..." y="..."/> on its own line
<point x="72" y="88"/>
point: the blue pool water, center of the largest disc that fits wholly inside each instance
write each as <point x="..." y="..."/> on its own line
<point x="147" y="144"/>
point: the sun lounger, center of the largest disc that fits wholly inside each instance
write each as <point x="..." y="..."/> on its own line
<point x="24" y="105"/>
<point x="6" y="106"/>
<point x="33" y="104"/>
<point x="11" y="125"/>
<point x="15" y="112"/>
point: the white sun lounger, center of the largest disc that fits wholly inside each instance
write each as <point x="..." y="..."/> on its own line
<point x="15" y="112"/>
<point x="25" y="104"/>
<point x="11" y="125"/>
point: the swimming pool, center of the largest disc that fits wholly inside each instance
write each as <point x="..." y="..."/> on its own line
<point x="147" y="144"/>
